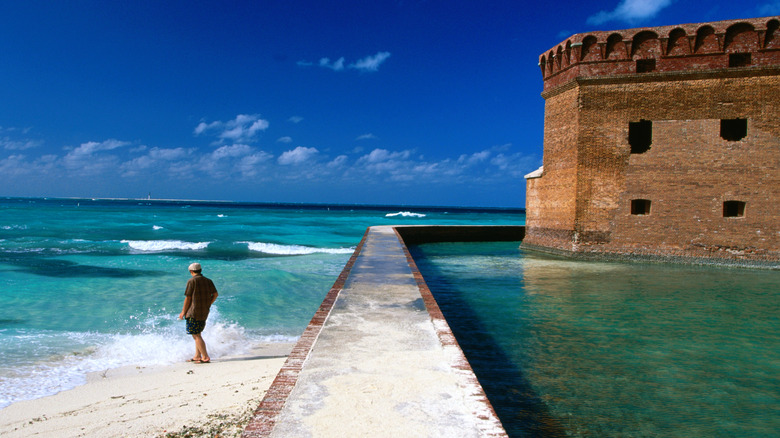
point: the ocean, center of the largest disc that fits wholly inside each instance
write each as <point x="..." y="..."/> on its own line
<point x="562" y="347"/>
<point x="88" y="285"/>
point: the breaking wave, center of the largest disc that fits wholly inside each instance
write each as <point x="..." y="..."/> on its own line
<point x="165" y="245"/>
<point x="273" y="248"/>
<point x="405" y="214"/>
<point x="157" y="340"/>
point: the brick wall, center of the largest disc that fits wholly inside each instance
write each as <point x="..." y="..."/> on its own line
<point x="582" y="201"/>
<point x="551" y="201"/>
<point x="687" y="174"/>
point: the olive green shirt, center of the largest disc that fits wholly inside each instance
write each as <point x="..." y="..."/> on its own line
<point x="202" y="291"/>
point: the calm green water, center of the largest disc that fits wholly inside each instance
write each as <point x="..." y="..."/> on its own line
<point x="569" y="348"/>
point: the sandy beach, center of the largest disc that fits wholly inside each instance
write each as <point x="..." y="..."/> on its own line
<point x="184" y="398"/>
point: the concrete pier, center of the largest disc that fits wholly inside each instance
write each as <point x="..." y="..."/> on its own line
<point x="378" y="359"/>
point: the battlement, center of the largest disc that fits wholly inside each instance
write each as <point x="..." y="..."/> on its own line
<point x="744" y="43"/>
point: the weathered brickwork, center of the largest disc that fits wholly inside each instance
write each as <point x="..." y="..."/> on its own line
<point x="694" y="193"/>
<point x="552" y="210"/>
<point x="684" y="47"/>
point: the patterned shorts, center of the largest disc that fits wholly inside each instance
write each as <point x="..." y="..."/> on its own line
<point x="194" y="327"/>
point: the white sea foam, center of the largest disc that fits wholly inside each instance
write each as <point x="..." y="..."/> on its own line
<point x="14" y="227"/>
<point x="221" y="215"/>
<point x="405" y="214"/>
<point x="163" y="342"/>
<point x="157" y="227"/>
<point x="273" y="248"/>
<point x="164" y="245"/>
<point x="159" y="340"/>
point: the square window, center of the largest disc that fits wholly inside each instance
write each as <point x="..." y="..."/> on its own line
<point x="640" y="136"/>
<point x="645" y="65"/>
<point x="733" y="129"/>
<point x="739" y="60"/>
<point x="640" y="207"/>
<point x="733" y="209"/>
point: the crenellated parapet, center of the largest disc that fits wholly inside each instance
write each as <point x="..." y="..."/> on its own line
<point x="744" y="43"/>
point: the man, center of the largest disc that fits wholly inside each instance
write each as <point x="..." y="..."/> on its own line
<point x="199" y="296"/>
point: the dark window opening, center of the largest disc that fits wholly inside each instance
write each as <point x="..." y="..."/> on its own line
<point x="640" y="136"/>
<point x="733" y="209"/>
<point x="640" y="206"/>
<point x="733" y="129"/>
<point x="645" y="65"/>
<point x="739" y="59"/>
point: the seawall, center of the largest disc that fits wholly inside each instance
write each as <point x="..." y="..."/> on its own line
<point x="378" y="358"/>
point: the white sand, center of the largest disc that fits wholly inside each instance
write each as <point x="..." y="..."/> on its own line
<point x="151" y="401"/>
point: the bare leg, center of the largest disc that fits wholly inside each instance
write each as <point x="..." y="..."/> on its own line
<point x="200" y="347"/>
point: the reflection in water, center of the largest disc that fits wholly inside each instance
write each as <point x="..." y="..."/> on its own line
<point x="614" y="349"/>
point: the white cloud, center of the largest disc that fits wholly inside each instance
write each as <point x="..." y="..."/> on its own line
<point x="395" y="165"/>
<point x="367" y="64"/>
<point x="232" y="151"/>
<point x="513" y="165"/>
<point x="339" y="161"/>
<point x="336" y="65"/>
<point x="297" y="156"/>
<point x="228" y="166"/>
<point x="244" y="128"/>
<point x="226" y="163"/>
<point x="475" y="158"/>
<point x="87" y="158"/>
<point x="18" y="145"/>
<point x="630" y="11"/>
<point x="249" y="166"/>
<point x="137" y="165"/>
<point x="14" y="165"/>
<point x="94" y="146"/>
<point x="383" y="155"/>
<point x="284" y="140"/>
<point x="371" y="63"/>
<point x="155" y="159"/>
<point x="169" y="154"/>
<point x="179" y="163"/>
<point x="495" y="165"/>
<point x="366" y="137"/>
<point x="203" y="127"/>
<point x="771" y="7"/>
<point x="17" y="165"/>
<point x="295" y="119"/>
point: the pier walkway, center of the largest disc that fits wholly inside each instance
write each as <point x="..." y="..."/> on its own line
<point x="378" y="359"/>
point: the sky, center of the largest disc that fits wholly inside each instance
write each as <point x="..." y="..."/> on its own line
<point x="305" y="101"/>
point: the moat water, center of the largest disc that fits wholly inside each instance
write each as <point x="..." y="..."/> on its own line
<point x="572" y="348"/>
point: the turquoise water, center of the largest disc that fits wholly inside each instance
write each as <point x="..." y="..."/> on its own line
<point x="88" y="285"/>
<point x="569" y="348"/>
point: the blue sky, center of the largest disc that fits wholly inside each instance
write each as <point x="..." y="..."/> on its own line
<point x="379" y="102"/>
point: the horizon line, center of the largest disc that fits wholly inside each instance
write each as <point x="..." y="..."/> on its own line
<point x="217" y="201"/>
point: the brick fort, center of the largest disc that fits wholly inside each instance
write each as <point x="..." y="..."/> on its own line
<point x="661" y="142"/>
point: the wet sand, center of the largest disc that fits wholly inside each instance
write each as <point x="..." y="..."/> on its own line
<point x="198" y="399"/>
